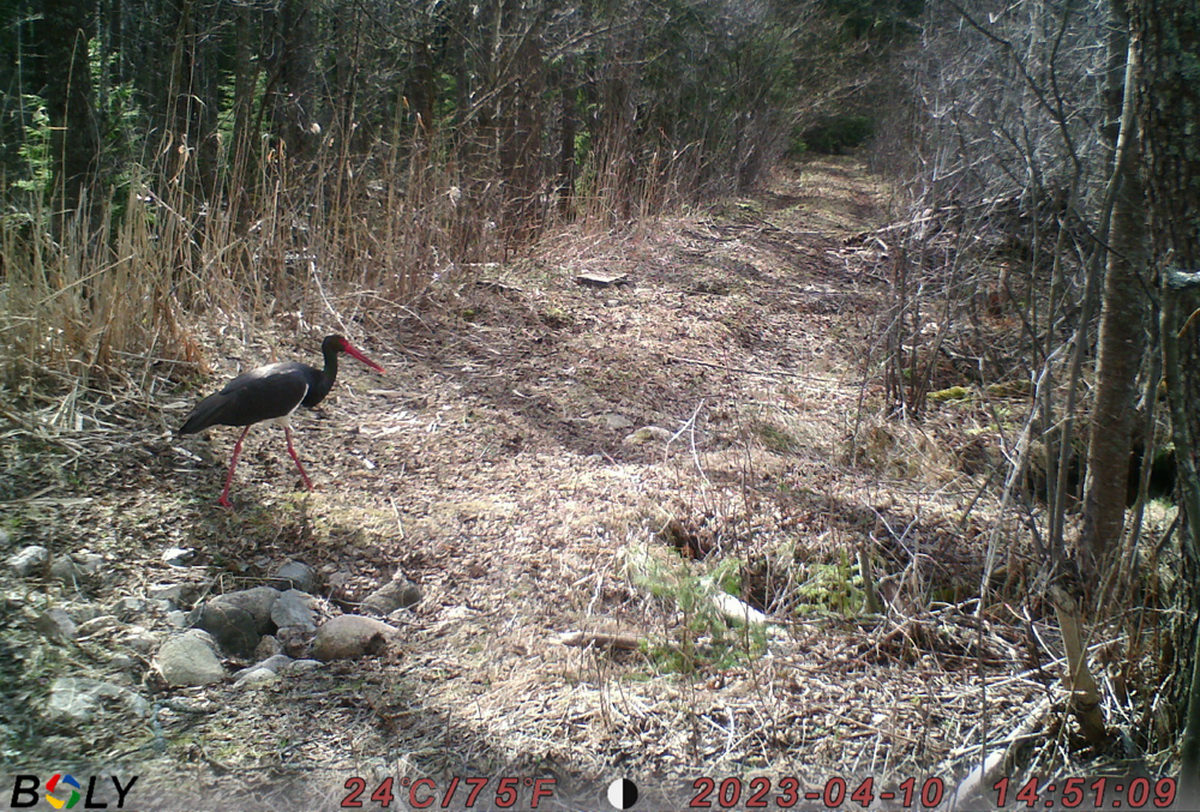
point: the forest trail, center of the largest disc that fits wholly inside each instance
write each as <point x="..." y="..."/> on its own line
<point x="536" y="459"/>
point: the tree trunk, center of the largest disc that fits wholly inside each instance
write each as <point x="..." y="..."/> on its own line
<point x="245" y="140"/>
<point x="568" y="127"/>
<point x="346" y="32"/>
<point x="1121" y="341"/>
<point x="295" y="104"/>
<point x="1165" y="34"/>
<point x="63" y="43"/>
<point x="422" y="89"/>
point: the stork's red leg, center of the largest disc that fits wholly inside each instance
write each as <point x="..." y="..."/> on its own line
<point x="287" y="432"/>
<point x="237" y="451"/>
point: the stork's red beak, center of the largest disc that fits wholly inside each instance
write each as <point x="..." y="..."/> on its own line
<point x="350" y="350"/>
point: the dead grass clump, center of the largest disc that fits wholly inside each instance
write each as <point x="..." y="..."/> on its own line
<point x="902" y="450"/>
<point x="100" y="296"/>
<point x="112" y="290"/>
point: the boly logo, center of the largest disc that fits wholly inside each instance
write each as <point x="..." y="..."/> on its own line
<point x="63" y="791"/>
<point x="52" y="784"/>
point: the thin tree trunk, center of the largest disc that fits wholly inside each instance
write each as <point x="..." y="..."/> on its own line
<point x="244" y="149"/>
<point x="568" y="126"/>
<point x="1121" y="343"/>
<point x="295" y="105"/>
<point x="64" y="33"/>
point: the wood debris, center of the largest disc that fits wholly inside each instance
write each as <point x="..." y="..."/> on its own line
<point x="601" y="280"/>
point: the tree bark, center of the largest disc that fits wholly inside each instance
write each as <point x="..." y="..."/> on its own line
<point x="295" y="104"/>
<point x="1121" y="344"/>
<point x="1166" y="36"/>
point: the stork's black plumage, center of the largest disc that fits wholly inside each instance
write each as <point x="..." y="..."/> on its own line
<point x="272" y="392"/>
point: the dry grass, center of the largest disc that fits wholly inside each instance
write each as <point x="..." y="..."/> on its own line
<point x="111" y="294"/>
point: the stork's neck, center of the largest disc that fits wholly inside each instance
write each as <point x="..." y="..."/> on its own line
<point x="331" y="363"/>
<point x="320" y="386"/>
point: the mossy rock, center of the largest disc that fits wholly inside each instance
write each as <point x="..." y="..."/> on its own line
<point x="953" y="393"/>
<point x="1011" y="389"/>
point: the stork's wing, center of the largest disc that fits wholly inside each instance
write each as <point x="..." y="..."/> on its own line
<point x="260" y="394"/>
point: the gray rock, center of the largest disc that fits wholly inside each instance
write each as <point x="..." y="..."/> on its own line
<point x="275" y="662"/>
<point x="141" y="639"/>
<point x="268" y="646"/>
<point x="31" y="560"/>
<point x="181" y="596"/>
<point x="257" y="601"/>
<point x="400" y="593"/>
<point x="78" y="700"/>
<point x="348" y="637"/>
<point x="295" y="640"/>
<point x="234" y="628"/>
<point x="71" y="569"/>
<point x="295" y="575"/>
<point x="189" y="659"/>
<point x="130" y="607"/>
<point x="255" y="677"/>
<point x="411" y="595"/>
<point x="339" y="581"/>
<point x="300" y="666"/>
<point x="124" y="663"/>
<point x="56" y="626"/>
<point x="616" y="422"/>
<point x="295" y="608"/>
<point x="64" y="569"/>
<point x="170" y="593"/>
<point x="179" y="619"/>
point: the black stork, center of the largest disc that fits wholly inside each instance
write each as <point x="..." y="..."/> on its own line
<point x="271" y="393"/>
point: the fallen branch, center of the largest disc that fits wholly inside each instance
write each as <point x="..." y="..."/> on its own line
<point x="624" y="642"/>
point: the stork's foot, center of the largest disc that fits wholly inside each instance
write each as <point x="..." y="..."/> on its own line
<point x="224" y="502"/>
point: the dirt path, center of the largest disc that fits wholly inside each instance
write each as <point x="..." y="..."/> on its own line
<point x="493" y="465"/>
